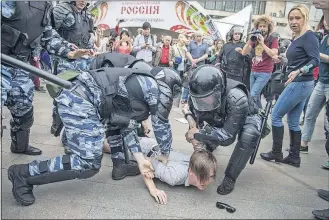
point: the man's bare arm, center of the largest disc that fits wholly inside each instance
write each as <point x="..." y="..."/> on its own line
<point x="159" y="195"/>
<point x="246" y="49"/>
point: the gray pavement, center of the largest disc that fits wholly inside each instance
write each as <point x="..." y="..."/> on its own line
<point x="263" y="190"/>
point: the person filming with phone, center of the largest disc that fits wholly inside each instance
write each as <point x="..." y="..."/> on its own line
<point x="144" y="44"/>
<point x="265" y="44"/>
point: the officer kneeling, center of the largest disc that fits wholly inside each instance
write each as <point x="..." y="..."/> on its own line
<point x="119" y="98"/>
<point x="225" y="106"/>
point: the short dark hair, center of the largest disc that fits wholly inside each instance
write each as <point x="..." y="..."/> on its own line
<point x="146" y="25"/>
<point x="124" y="32"/>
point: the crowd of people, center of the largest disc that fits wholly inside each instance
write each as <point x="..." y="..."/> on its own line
<point x="121" y="81"/>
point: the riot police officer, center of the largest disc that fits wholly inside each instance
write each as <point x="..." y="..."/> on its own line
<point x="233" y="63"/>
<point x="102" y="60"/>
<point x="25" y="25"/>
<point x="73" y="23"/>
<point x="225" y="106"/>
<point x="118" y="98"/>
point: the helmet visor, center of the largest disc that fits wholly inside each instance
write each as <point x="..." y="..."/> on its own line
<point x="208" y="102"/>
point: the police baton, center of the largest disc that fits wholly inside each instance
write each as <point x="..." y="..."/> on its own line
<point x="264" y="117"/>
<point x="5" y="59"/>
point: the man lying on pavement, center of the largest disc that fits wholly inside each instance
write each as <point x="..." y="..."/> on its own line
<point x="197" y="170"/>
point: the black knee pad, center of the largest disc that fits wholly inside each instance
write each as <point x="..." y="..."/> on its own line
<point x="249" y="135"/>
<point x="46" y="177"/>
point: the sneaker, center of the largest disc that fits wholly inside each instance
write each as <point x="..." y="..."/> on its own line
<point x="326" y="165"/>
<point x="304" y="150"/>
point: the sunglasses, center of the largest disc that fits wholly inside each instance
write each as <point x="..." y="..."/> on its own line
<point x="228" y="208"/>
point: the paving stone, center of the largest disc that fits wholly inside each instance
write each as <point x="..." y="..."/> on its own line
<point x="43" y="209"/>
<point x="113" y="213"/>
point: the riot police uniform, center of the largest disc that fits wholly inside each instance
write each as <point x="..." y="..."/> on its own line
<point x="224" y="105"/>
<point x="116" y="97"/>
<point x="24" y="26"/>
<point x="232" y="62"/>
<point x="102" y="60"/>
<point x="75" y="27"/>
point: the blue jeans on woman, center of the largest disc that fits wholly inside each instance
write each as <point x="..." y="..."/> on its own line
<point x="291" y="102"/>
<point x="258" y="81"/>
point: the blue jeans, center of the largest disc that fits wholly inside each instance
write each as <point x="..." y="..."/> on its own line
<point x="291" y="102"/>
<point x="258" y="81"/>
<point x="316" y="102"/>
<point x="185" y="93"/>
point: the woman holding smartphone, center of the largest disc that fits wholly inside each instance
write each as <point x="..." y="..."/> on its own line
<point x="124" y="45"/>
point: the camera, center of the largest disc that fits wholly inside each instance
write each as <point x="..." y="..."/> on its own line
<point x="254" y="35"/>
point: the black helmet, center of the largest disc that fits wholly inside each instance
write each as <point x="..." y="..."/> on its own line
<point x="74" y="2"/>
<point x="172" y="79"/>
<point x="235" y="29"/>
<point x="207" y="84"/>
<point x="146" y="25"/>
<point x="141" y="65"/>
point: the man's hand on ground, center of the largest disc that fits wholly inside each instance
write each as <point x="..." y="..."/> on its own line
<point x="160" y="196"/>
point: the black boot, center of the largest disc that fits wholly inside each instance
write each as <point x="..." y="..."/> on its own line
<point x="121" y="169"/>
<point x="321" y="214"/>
<point x="293" y="158"/>
<point x="243" y="150"/>
<point x="22" y="191"/>
<point x="276" y="152"/>
<point x="324" y="194"/>
<point x="20" y="143"/>
<point x="226" y="187"/>
<point x="23" y="182"/>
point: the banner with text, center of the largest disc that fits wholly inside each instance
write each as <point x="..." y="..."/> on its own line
<point x="178" y="16"/>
